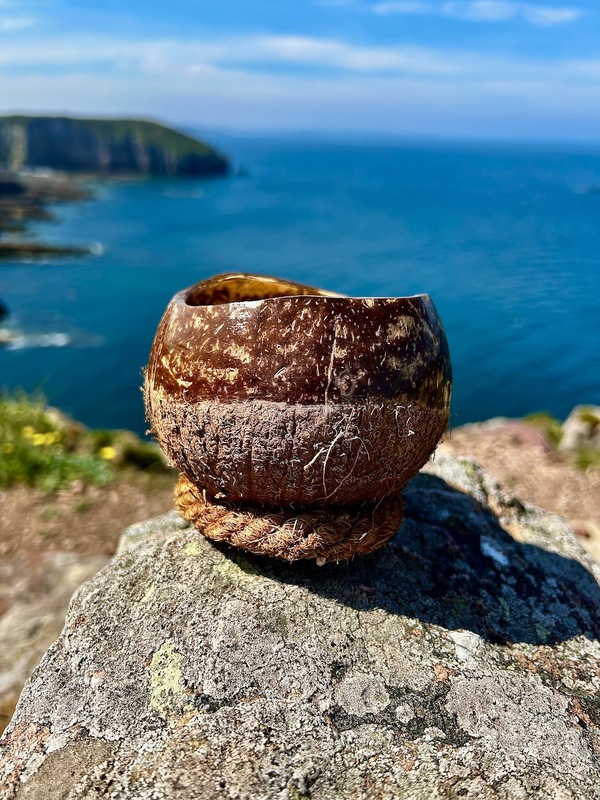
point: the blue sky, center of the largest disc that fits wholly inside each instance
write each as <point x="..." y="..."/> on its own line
<point x="499" y="69"/>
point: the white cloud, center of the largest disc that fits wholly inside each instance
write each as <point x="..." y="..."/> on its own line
<point x="237" y="83"/>
<point x="260" y="82"/>
<point x="542" y="15"/>
<point x="339" y="55"/>
<point x="481" y="11"/>
<point x="173" y="56"/>
<point x="491" y="106"/>
<point x="401" y="7"/>
<point x="15" y="23"/>
<point x="262" y="55"/>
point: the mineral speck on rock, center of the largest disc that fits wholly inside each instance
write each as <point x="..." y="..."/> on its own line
<point x="462" y="660"/>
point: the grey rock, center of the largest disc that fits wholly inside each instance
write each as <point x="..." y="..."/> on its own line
<point x="462" y="660"/>
<point x="581" y="429"/>
<point x="34" y="596"/>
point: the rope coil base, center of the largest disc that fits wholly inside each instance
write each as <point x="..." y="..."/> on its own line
<point x="332" y="534"/>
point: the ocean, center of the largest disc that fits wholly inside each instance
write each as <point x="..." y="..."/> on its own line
<point x="505" y="239"/>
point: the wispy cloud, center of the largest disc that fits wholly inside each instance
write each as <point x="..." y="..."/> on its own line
<point x="15" y="23"/>
<point x="481" y="10"/>
<point x="266" y="54"/>
<point x="176" y="56"/>
<point x="402" y="7"/>
<point x="490" y="107"/>
<point x="541" y="15"/>
<point x="340" y="55"/>
<point x="260" y="82"/>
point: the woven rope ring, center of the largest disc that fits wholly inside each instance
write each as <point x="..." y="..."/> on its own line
<point x="335" y="534"/>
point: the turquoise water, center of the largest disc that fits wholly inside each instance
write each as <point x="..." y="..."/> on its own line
<point x="505" y="239"/>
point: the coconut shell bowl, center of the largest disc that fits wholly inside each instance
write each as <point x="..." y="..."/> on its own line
<point x="296" y="415"/>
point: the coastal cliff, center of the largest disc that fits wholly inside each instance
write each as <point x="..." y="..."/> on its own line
<point x="104" y="146"/>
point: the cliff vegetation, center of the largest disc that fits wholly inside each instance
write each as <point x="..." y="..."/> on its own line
<point x="43" y="448"/>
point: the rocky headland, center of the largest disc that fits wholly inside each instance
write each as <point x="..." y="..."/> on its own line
<point x="104" y="147"/>
<point x="49" y="160"/>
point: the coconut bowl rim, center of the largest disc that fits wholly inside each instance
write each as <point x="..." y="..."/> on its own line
<point x="182" y="298"/>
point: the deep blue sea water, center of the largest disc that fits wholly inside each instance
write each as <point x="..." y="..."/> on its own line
<point x="505" y="239"/>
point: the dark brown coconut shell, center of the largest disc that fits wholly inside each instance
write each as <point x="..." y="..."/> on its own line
<point x="271" y="392"/>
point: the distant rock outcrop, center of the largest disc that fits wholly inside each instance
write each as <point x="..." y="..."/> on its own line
<point x="27" y="198"/>
<point x="104" y="146"/>
<point x="581" y="429"/>
<point x="459" y="661"/>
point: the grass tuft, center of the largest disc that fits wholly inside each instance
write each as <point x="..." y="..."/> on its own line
<point x="546" y="424"/>
<point x="587" y="457"/>
<point x="590" y="416"/>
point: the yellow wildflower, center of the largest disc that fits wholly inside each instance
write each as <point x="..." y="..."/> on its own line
<point x="38" y="439"/>
<point x="107" y="453"/>
<point x="8" y="447"/>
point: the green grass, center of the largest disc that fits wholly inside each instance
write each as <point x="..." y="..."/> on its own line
<point x="587" y="457"/>
<point x="41" y="447"/>
<point x="588" y="415"/>
<point x="547" y="424"/>
<point x="584" y="457"/>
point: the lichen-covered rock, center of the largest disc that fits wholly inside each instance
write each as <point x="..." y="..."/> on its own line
<point x="462" y="660"/>
<point x="581" y="429"/>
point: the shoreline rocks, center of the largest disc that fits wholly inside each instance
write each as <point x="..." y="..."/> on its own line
<point x="25" y="199"/>
<point x="20" y="250"/>
<point x="461" y="660"/>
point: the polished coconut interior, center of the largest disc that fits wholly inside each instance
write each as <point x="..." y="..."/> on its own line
<point x="240" y="287"/>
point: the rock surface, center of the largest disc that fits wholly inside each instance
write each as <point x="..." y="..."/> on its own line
<point x="581" y="429"/>
<point x="462" y="660"/>
<point x="34" y="597"/>
<point x="526" y="461"/>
